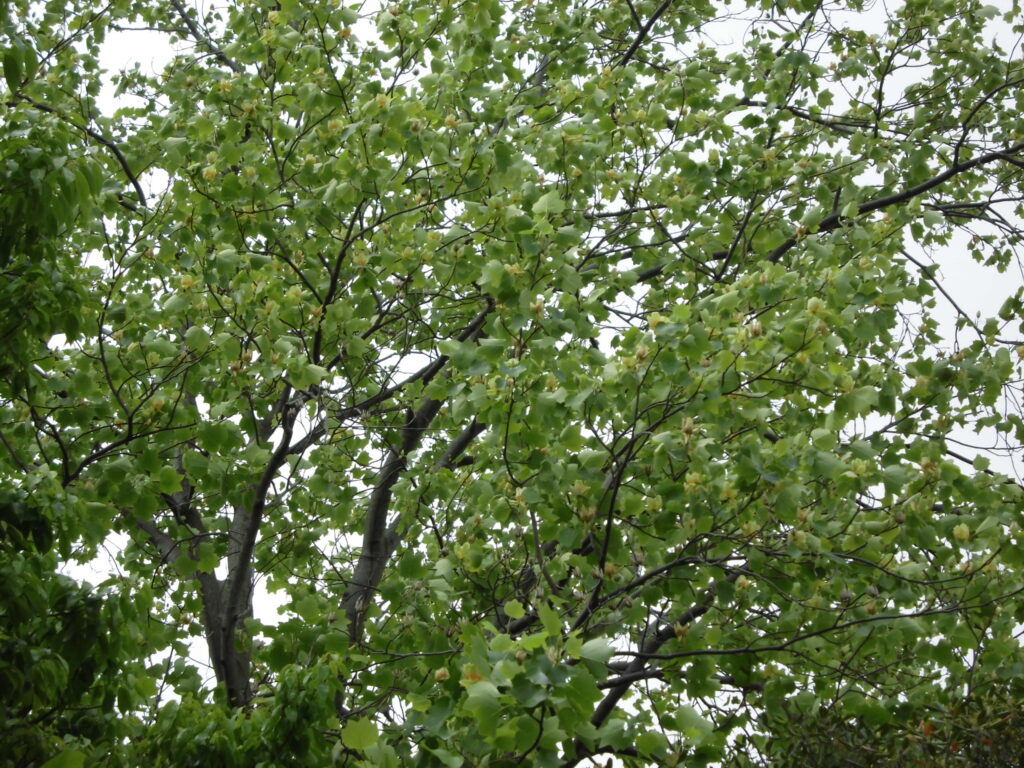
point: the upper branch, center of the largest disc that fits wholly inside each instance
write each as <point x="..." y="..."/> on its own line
<point x="644" y="31"/>
<point x="203" y="39"/>
<point x="835" y="218"/>
<point x="424" y="374"/>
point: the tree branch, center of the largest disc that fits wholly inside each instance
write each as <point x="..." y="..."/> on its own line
<point x="424" y="374"/>
<point x="236" y="603"/>
<point x="99" y="137"/>
<point x="458" y="446"/>
<point x="203" y="39"/>
<point x="644" y="31"/>
<point x="379" y="539"/>
<point x="834" y="219"/>
<point x="633" y="671"/>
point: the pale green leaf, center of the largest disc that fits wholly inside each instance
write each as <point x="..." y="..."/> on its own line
<point x="550" y="203"/>
<point x="359" y="734"/>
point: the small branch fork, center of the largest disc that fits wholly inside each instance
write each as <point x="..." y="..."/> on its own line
<point x="635" y="669"/>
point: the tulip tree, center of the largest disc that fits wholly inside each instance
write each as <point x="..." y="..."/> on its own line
<point x="577" y="377"/>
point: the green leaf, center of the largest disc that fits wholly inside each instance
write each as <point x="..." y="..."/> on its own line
<point x="550" y="620"/>
<point x="168" y="480"/>
<point x="859" y="402"/>
<point x="549" y="204"/>
<point x="598" y="649"/>
<point x="895" y="478"/>
<point x="533" y="642"/>
<point x="826" y="439"/>
<point x="527" y="730"/>
<point x="197" y="338"/>
<point x="359" y="734"/>
<point x="68" y="758"/>
<point x="173" y="304"/>
<point x="447" y="758"/>
<point x="483" y="703"/>
<point x="694" y="727"/>
<point x="208" y="557"/>
<point x="12" y="69"/>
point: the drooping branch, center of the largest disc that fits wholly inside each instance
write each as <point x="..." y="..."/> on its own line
<point x="836" y="219"/>
<point x="950" y="607"/>
<point x="100" y="139"/>
<point x="655" y="641"/>
<point x="941" y="289"/>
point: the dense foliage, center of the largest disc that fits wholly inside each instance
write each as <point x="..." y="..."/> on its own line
<point x="571" y="373"/>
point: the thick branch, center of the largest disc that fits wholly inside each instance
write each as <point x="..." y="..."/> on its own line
<point x="459" y="445"/>
<point x="234" y="596"/>
<point x="378" y="538"/>
<point x="424" y="374"/>
<point x="165" y="545"/>
<point x="230" y="666"/>
<point x="245" y="527"/>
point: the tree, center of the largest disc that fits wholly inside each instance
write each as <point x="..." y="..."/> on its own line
<point x="63" y="646"/>
<point x="45" y="184"/>
<point x="577" y="383"/>
<point x="981" y="730"/>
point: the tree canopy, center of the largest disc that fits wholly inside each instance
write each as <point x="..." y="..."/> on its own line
<point x="575" y="375"/>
